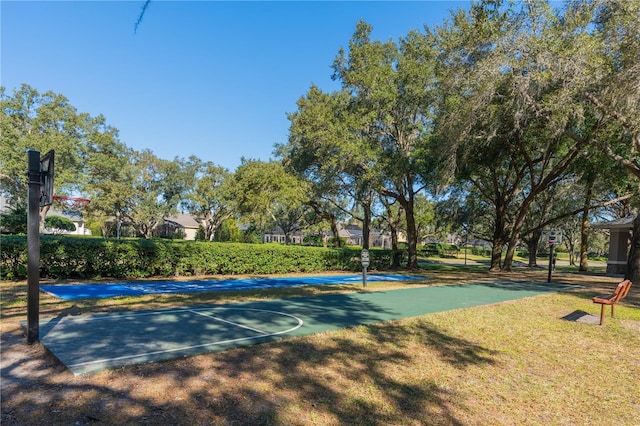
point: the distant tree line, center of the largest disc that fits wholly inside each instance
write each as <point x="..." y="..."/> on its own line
<point x="503" y="121"/>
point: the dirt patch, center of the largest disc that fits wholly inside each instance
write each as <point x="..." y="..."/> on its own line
<point x="631" y="325"/>
<point x="22" y="364"/>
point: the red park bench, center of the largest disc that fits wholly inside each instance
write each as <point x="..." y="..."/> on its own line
<point x="612" y="299"/>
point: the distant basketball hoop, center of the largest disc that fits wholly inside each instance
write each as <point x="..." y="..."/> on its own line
<point x="70" y="206"/>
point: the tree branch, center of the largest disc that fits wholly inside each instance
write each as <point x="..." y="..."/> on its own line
<point x="579" y="210"/>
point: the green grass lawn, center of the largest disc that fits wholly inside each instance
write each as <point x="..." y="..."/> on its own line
<point x="512" y="363"/>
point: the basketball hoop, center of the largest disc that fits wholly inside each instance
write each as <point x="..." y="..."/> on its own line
<point x="70" y="206"/>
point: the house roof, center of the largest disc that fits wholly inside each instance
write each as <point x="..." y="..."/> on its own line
<point x="184" y="220"/>
<point x="623" y="223"/>
<point x="355" y="231"/>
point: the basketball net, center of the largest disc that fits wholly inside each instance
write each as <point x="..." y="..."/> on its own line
<point x="70" y="206"/>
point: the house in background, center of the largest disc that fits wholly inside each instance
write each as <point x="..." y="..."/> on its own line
<point x="182" y="224"/>
<point x="74" y="216"/>
<point x="277" y="236"/>
<point x="352" y="235"/>
<point x="619" y="239"/>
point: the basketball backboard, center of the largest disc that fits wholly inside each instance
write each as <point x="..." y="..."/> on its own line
<point x="552" y="238"/>
<point x="46" y="178"/>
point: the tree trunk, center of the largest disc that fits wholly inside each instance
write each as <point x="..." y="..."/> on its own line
<point x="533" y="261"/>
<point x="397" y="254"/>
<point x="43" y="214"/>
<point x="206" y="227"/>
<point x="532" y="246"/>
<point x="496" y="256"/>
<point x="572" y="257"/>
<point x="515" y="232"/>
<point x="365" y="224"/>
<point x="335" y="232"/>
<point x="511" y="251"/>
<point x="104" y="229"/>
<point x="584" y="230"/>
<point x="633" y="264"/>
<point x="395" y="263"/>
<point x="412" y="235"/>
<point x="498" y="240"/>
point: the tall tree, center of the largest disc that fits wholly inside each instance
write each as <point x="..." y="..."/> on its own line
<point x="393" y="86"/>
<point x="612" y="87"/>
<point x="318" y="151"/>
<point x="471" y="151"/>
<point x="211" y="199"/>
<point x="513" y="86"/>
<point x="268" y="196"/>
<point x="157" y="187"/>
<point x="31" y="120"/>
<point x="108" y="177"/>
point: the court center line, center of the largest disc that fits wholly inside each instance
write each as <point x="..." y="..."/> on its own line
<point x="229" y="322"/>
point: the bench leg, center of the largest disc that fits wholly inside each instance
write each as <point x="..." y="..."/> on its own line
<point x="612" y="306"/>
<point x="602" y="314"/>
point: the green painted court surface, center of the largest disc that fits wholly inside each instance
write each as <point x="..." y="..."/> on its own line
<point x="90" y="343"/>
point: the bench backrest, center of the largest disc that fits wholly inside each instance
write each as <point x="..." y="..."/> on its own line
<point x="622" y="290"/>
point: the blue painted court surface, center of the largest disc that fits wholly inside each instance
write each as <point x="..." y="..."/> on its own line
<point x="100" y="291"/>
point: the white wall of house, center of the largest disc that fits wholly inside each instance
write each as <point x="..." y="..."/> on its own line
<point x="190" y="233"/>
<point x="276" y="237"/>
<point x="75" y="217"/>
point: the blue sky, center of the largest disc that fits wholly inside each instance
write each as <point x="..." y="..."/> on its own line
<point x="207" y="78"/>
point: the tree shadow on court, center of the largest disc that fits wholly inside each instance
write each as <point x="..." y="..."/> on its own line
<point x="524" y="285"/>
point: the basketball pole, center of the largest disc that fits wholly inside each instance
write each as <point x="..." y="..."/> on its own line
<point x="33" y="247"/>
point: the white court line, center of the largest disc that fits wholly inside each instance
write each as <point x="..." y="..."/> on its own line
<point x="183" y="348"/>
<point x="127" y="315"/>
<point x="230" y="322"/>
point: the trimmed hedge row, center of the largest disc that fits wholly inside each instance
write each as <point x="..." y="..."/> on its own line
<point x="73" y="257"/>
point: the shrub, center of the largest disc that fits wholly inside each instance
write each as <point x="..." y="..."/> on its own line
<point x="480" y="251"/>
<point x="14" y="221"/>
<point x="440" y="249"/>
<point x="59" y="224"/>
<point x="92" y="257"/>
<point x="13" y="257"/>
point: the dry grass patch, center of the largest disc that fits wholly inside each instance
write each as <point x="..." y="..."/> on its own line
<point x="513" y="363"/>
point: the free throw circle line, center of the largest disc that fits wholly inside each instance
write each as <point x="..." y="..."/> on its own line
<point x="230" y="322"/>
<point x="183" y="348"/>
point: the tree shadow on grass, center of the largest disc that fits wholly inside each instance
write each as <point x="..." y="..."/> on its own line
<point x="599" y="289"/>
<point x="368" y="375"/>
